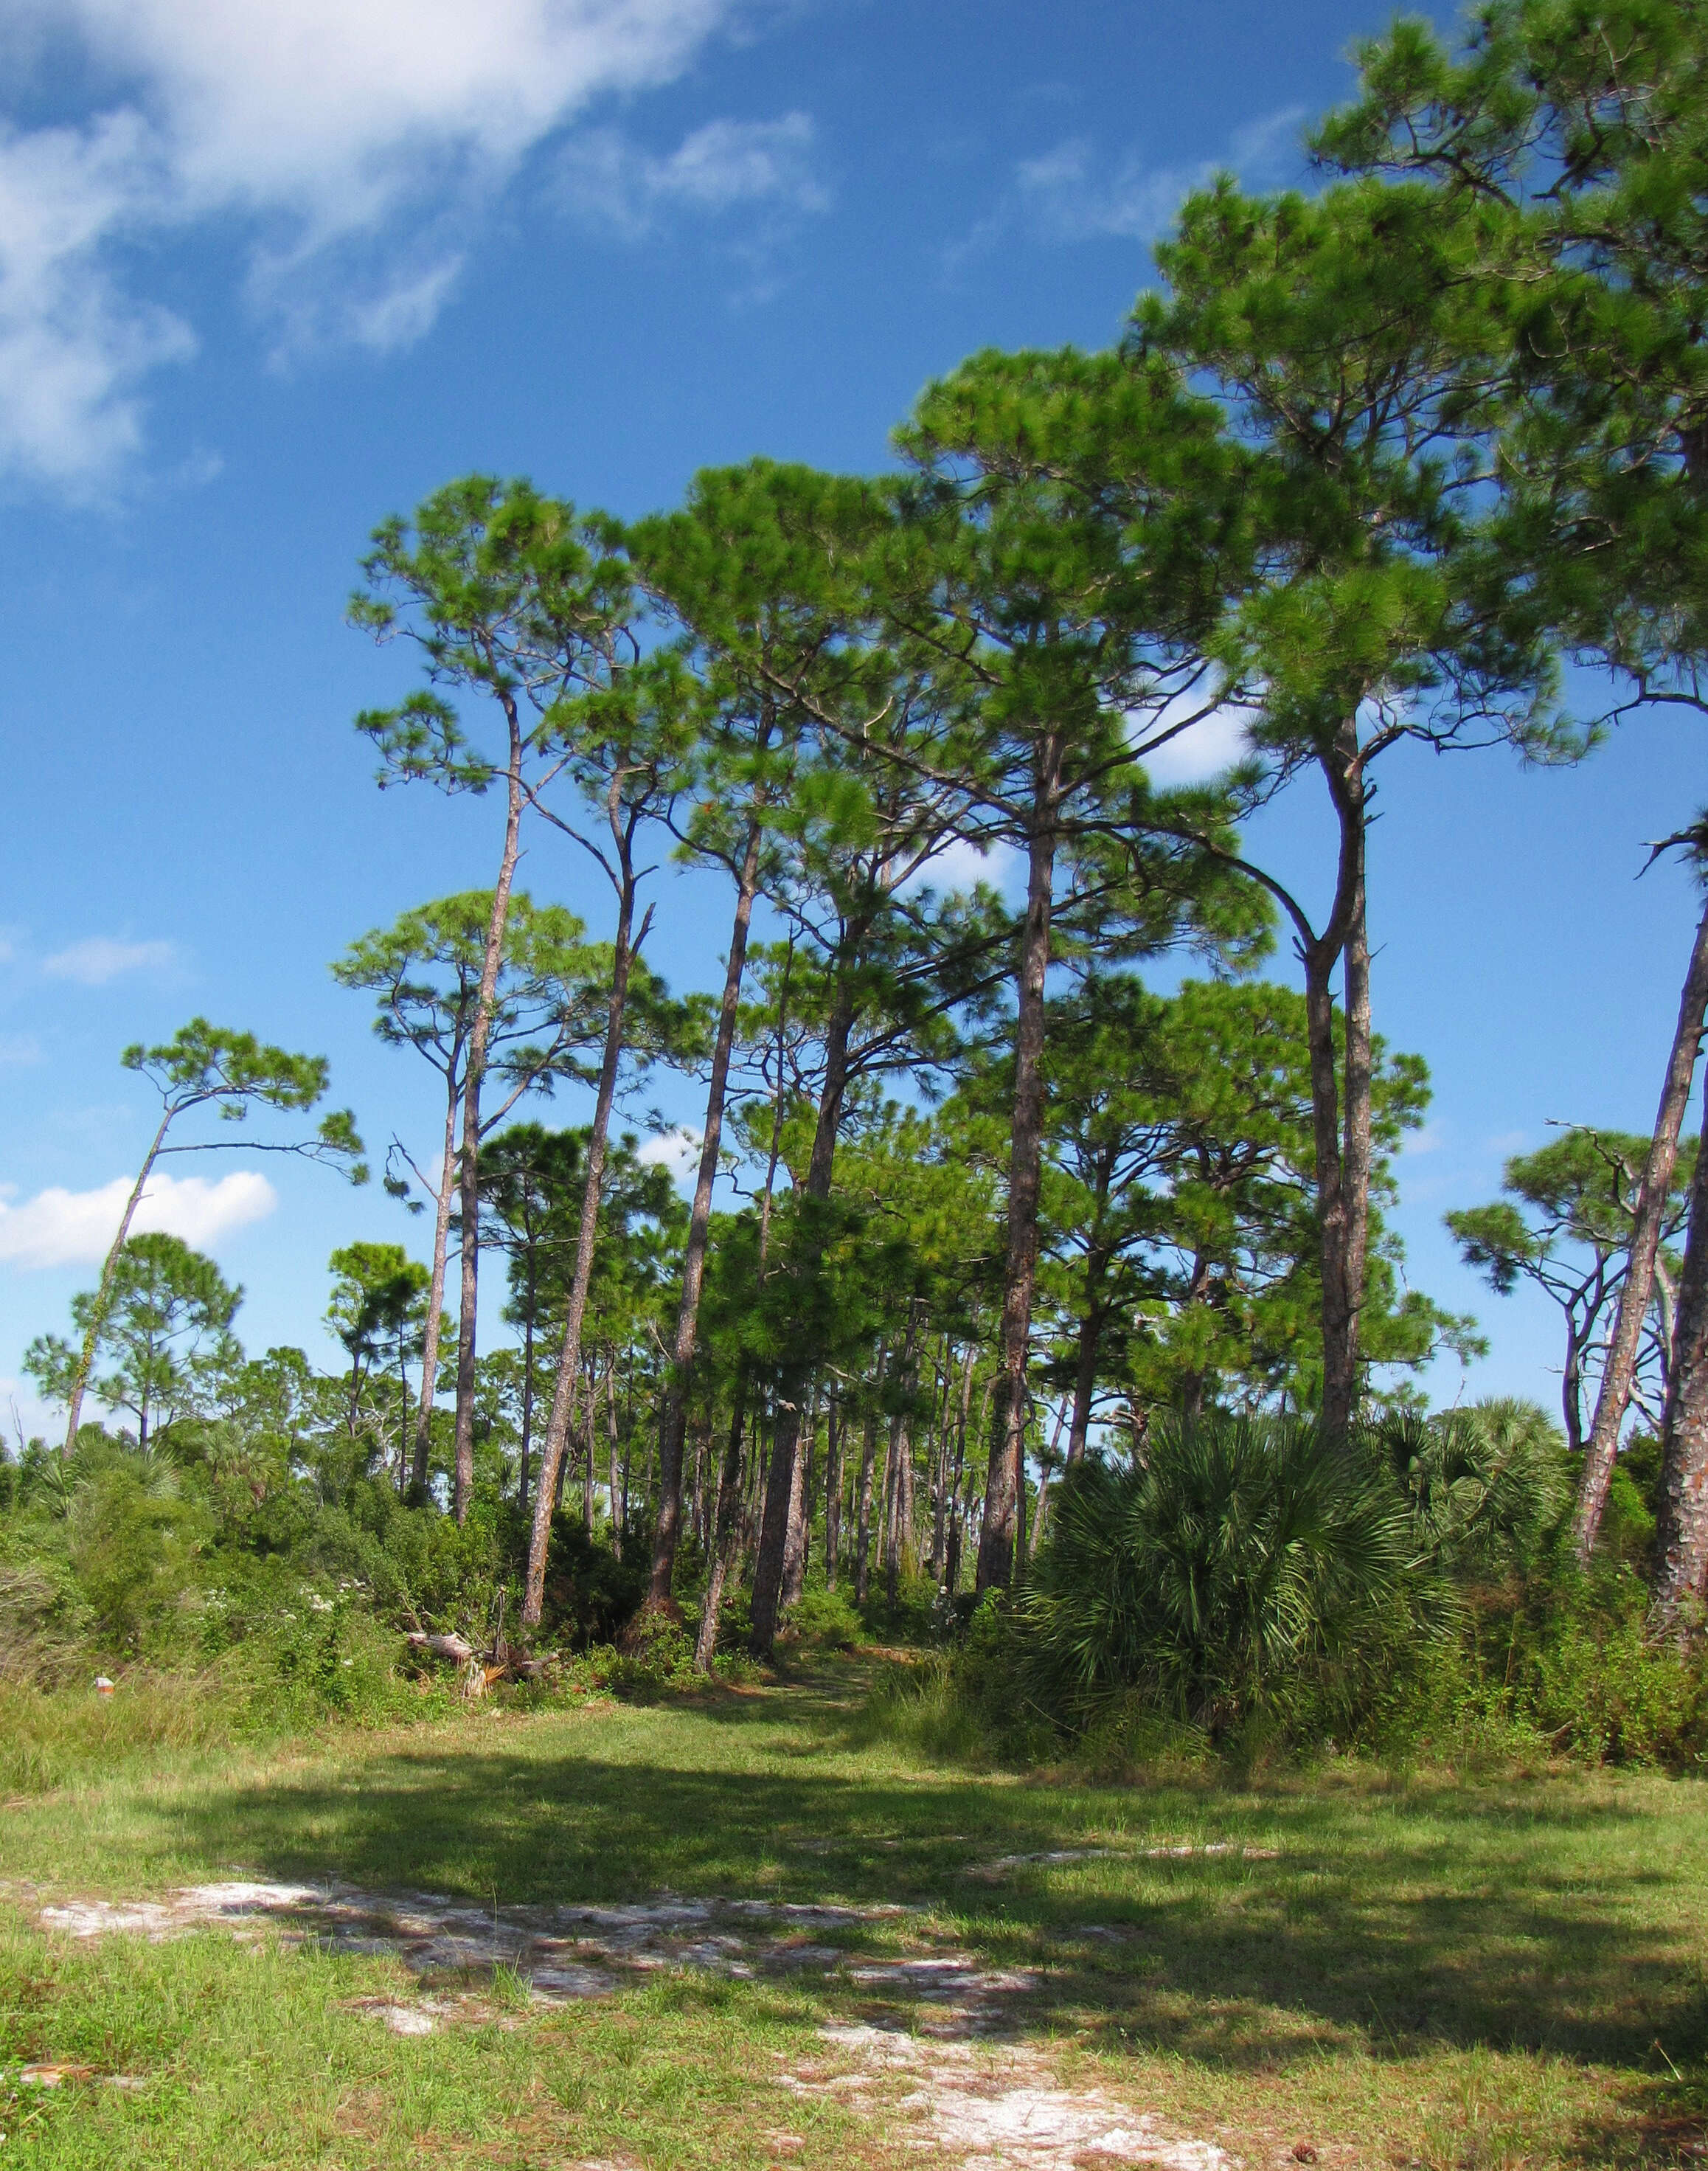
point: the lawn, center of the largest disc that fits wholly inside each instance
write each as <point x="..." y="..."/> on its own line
<point x="1406" y="1970"/>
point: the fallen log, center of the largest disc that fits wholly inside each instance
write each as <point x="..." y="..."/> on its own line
<point x="442" y="1646"/>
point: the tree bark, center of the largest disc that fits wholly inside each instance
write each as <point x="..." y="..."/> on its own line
<point x="435" y="1298"/>
<point x="780" y="1479"/>
<point x="673" y="1430"/>
<point x="474" y="1071"/>
<point x="1342" y="1161"/>
<point x="996" y="1542"/>
<point x="729" y="1528"/>
<point x="1681" y="1529"/>
<point x="833" y="1495"/>
<point x="570" y="1357"/>
<point x="1084" y="1379"/>
<point x="863" y="1507"/>
<point x="1619" y="1371"/>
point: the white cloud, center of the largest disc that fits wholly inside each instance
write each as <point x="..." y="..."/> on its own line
<point x="1072" y="193"/>
<point x="18" y="1050"/>
<point x="61" y="1228"/>
<point x="101" y="958"/>
<point x="678" y="1151"/>
<point x="1203" y="749"/>
<point x="962" y="865"/>
<point x="611" y="182"/>
<point x="337" y="132"/>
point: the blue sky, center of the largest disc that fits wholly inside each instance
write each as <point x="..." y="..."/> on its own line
<point x="267" y="274"/>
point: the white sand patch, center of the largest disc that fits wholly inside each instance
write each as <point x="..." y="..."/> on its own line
<point x="984" y="2109"/>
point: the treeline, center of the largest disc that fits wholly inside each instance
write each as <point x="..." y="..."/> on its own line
<point x="1367" y="469"/>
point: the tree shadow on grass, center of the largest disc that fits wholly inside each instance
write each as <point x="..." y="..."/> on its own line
<point x="1439" y="1929"/>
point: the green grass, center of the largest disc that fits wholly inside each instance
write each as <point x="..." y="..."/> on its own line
<point x="1431" y="1971"/>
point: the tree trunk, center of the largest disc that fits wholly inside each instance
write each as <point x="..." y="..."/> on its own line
<point x="723" y="1550"/>
<point x="1681" y="1529"/>
<point x="1084" y="1380"/>
<point x="673" y="1430"/>
<point x="526" y="1398"/>
<point x="473" y="1071"/>
<point x="1620" y="1369"/>
<point x="570" y="1357"/>
<point x="863" y="1513"/>
<point x="435" y="1296"/>
<point x="780" y="1480"/>
<point x="98" y="1316"/>
<point x="616" y="1513"/>
<point x="833" y="1495"/>
<point x="1342" y="1161"/>
<point x="996" y="1542"/>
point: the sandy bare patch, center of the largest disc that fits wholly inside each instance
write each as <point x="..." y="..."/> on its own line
<point x="983" y="2107"/>
<point x="566" y="1952"/>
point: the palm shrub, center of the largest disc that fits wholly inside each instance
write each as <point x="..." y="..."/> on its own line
<point x="1490" y="1487"/>
<point x="1243" y="1563"/>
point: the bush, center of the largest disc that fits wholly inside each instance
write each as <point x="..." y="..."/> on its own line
<point x="826" y="1618"/>
<point x="1242" y="1565"/>
<point x="1490" y="1487"/>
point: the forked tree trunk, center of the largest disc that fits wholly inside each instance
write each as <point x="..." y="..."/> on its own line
<point x="1619" y="1371"/>
<point x="570" y="1357"/>
<point x="996" y="1542"/>
<point x="673" y="1430"/>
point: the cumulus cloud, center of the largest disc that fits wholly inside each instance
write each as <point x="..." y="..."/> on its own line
<point x="607" y="180"/>
<point x="678" y="1151"/>
<point x="61" y="1227"/>
<point x="101" y="958"/>
<point x="341" y="134"/>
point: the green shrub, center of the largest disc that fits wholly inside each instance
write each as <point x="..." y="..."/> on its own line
<point x="826" y="1618"/>
<point x="1244" y="1564"/>
<point x="1491" y="1486"/>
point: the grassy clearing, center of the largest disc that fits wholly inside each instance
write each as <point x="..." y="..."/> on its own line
<point x="1428" y="1971"/>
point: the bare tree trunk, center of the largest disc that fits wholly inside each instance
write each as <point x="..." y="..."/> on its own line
<point x="996" y="1542"/>
<point x="1681" y="1530"/>
<point x="949" y="1556"/>
<point x="673" y="1430"/>
<point x="570" y="1357"/>
<point x="723" y="1550"/>
<point x="97" y="1316"/>
<point x="833" y="1494"/>
<point x="435" y="1296"/>
<point x="1342" y="1161"/>
<point x="869" y="1452"/>
<point x="611" y="1439"/>
<point x="1620" y="1369"/>
<point x="780" y="1480"/>
<point x="1084" y="1380"/>
<point x="1046" y="1464"/>
<point x="473" y="1072"/>
<point x="527" y="1402"/>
